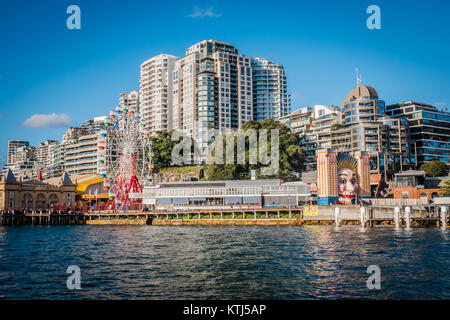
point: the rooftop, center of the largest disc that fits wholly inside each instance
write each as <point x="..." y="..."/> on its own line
<point x="361" y="91"/>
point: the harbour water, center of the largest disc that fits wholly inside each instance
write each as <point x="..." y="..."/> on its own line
<point x="223" y="262"/>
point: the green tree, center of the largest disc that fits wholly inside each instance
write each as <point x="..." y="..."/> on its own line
<point x="445" y="188"/>
<point x="291" y="155"/>
<point x="435" y="168"/>
<point x="162" y="146"/>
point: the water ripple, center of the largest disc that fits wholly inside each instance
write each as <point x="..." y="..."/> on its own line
<point x="150" y="262"/>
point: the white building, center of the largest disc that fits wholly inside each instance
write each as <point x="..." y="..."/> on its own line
<point x="130" y="101"/>
<point x="270" y="97"/>
<point x="12" y="147"/>
<point x="57" y="161"/>
<point x="314" y="126"/>
<point x="156" y="93"/>
<point x="81" y="157"/>
<point x="23" y="154"/>
<point x="43" y="152"/>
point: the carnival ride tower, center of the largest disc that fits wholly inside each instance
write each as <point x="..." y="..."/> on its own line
<point x="124" y="158"/>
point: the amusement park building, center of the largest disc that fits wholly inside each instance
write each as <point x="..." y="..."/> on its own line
<point x="226" y="194"/>
<point x="35" y="194"/>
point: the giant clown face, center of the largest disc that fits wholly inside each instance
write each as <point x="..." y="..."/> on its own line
<point x="347" y="179"/>
<point x="347" y="184"/>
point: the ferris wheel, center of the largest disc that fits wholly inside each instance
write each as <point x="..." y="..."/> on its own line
<point x="124" y="157"/>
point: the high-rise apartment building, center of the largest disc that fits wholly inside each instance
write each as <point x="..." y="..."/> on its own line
<point x="23" y="154"/>
<point x="270" y="97"/>
<point x="314" y="127"/>
<point x="130" y="101"/>
<point x="43" y="152"/>
<point x="81" y="157"/>
<point x="362" y="125"/>
<point x="156" y="93"/>
<point x="12" y="147"/>
<point x="212" y="90"/>
<point x="429" y="130"/>
<point x="57" y="162"/>
<point x="88" y="127"/>
<point x="93" y="126"/>
<point x="72" y="134"/>
<point x="184" y="97"/>
<point x="367" y="128"/>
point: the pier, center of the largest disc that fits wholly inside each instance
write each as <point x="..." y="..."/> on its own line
<point x="41" y="218"/>
<point x="320" y="215"/>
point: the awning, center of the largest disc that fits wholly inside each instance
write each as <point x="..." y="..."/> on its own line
<point x="82" y="186"/>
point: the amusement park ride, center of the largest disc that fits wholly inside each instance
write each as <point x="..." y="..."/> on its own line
<point x="124" y="158"/>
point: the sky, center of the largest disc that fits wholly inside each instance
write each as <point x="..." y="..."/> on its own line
<point x="52" y="77"/>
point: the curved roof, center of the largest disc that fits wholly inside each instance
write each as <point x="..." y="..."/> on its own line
<point x="361" y="91"/>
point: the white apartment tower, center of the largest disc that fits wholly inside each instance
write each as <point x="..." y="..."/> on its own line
<point x="156" y="93"/>
<point x="270" y="97"/>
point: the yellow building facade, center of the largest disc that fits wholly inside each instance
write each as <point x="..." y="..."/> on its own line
<point x="35" y="194"/>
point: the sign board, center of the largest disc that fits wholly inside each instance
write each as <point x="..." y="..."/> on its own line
<point x="312" y="211"/>
<point x="306" y="210"/>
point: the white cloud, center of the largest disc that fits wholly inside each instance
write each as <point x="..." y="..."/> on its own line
<point x="202" y="13"/>
<point x="51" y="120"/>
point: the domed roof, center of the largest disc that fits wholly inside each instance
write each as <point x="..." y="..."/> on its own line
<point x="361" y="91"/>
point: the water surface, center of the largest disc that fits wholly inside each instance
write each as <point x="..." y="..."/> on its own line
<point x="229" y="262"/>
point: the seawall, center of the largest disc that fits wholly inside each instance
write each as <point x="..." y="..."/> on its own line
<point x="134" y="222"/>
<point x="226" y="222"/>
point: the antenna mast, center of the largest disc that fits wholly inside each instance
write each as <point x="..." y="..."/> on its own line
<point x="358" y="78"/>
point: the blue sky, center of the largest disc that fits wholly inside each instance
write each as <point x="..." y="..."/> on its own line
<point x="46" y="68"/>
